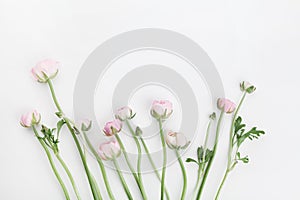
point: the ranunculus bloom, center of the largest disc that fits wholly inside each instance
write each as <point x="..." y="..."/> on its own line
<point x="226" y="105"/>
<point x="112" y="127"/>
<point x="161" y="109"/>
<point x="248" y="87"/>
<point x="30" y="118"/>
<point x="109" y="150"/>
<point x="124" y="113"/>
<point x="45" y="69"/>
<point x="176" y="140"/>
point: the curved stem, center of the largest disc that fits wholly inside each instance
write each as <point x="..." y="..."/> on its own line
<point x="154" y="166"/>
<point x="232" y="130"/>
<point x="202" y="165"/>
<point x="136" y="178"/>
<point x="212" y="157"/>
<point x="83" y="159"/>
<point x="163" y="143"/>
<point x="230" y="166"/>
<point x="139" y="150"/>
<point x="102" y="168"/>
<point x="52" y="164"/>
<point x="96" y="188"/>
<point x="54" y="96"/>
<point x="183" y="174"/>
<point x="206" y="140"/>
<point x="126" y="189"/>
<point x="222" y="183"/>
<point x="69" y="175"/>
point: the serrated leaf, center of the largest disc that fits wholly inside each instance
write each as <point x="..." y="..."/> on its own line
<point x="240" y="135"/>
<point x="251" y="134"/>
<point x="238" y="126"/>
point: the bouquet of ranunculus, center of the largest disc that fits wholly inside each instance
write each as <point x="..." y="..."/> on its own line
<point x="114" y="147"/>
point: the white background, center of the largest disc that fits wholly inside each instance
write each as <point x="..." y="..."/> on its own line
<point x="256" y="40"/>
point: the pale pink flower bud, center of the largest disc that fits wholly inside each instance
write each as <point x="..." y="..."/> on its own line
<point x="176" y="140"/>
<point x="109" y="150"/>
<point x="112" y="127"/>
<point x="226" y="105"/>
<point x="30" y="118"/>
<point x="161" y="109"/>
<point x="124" y="113"/>
<point x="45" y="69"/>
<point x="247" y="87"/>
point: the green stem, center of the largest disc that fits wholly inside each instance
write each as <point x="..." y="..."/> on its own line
<point x="232" y="130"/>
<point x="163" y="143"/>
<point x="101" y="165"/>
<point x="222" y="183"/>
<point x="230" y="166"/>
<point x="154" y="166"/>
<point x="54" y="96"/>
<point x="183" y="174"/>
<point x="96" y="188"/>
<point x="212" y="157"/>
<point x="136" y="178"/>
<point x="206" y="140"/>
<point x="138" y="148"/>
<point x="83" y="159"/>
<point x="69" y="174"/>
<point x="202" y="165"/>
<point x="126" y="189"/>
<point x="52" y="164"/>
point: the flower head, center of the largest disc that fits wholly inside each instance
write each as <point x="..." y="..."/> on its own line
<point x="45" y="70"/>
<point x="30" y="118"/>
<point x="176" y="140"/>
<point x="109" y="150"/>
<point x="124" y="113"/>
<point x="112" y="127"/>
<point x="161" y="109"/>
<point x="247" y="87"/>
<point x="138" y="131"/>
<point x="226" y="105"/>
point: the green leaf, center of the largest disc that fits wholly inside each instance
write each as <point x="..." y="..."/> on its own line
<point x="240" y="135"/>
<point x="252" y="134"/>
<point x="59" y="114"/>
<point x="59" y="125"/>
<point x="238" y="126"/>
<point x="243" y="159"/>
<point x="200" y="152"/>
<point x="191" y="160"/>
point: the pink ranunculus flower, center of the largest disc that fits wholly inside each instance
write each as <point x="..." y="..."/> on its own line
<point x="124" y="113"/>
<point x="161" y="109"/>
<point x="30" y="118"/>
<point x="109" y="150"/>
<point x="45" y="70"/>
<point x="112" y="127"/>
<point x="226" y="105"/>
<point x="176" y="140"/>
